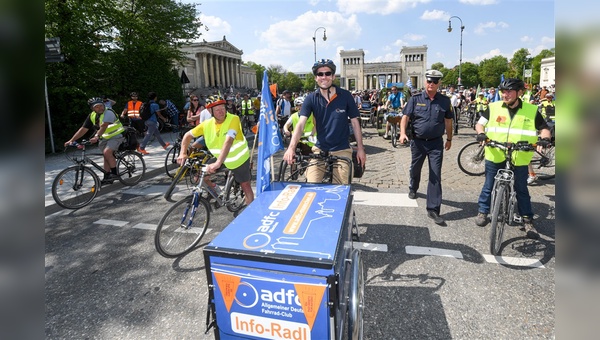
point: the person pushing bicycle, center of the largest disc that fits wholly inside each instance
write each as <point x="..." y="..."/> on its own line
<point x="109" y="134"/>
<point x="510" y="120"/>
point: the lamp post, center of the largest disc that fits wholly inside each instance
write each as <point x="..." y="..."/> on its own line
<point x="315" y="39"/>
<point x="462" y="27"/>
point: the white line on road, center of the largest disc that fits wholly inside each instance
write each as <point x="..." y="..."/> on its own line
<point x="383" y="199"/>
<point x="414" y="250"/>
<point x="513" y="261"/>
<point x="145" y="226"/>
<point x="370" y="246"/>
<point x="112" y="222"/>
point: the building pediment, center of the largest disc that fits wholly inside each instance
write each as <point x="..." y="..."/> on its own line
<point x="223" y="45"/>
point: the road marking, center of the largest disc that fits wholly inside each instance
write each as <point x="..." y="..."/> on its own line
<point x="513" y="261"/>
<point x="414" y="250"/>
<point x="145" y="226"/>
<point x="370" y="246"/>
<point x="111" y="222"/>
<point x="383" y="199"/>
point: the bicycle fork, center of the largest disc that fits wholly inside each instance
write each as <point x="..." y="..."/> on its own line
<point x="194" y="206"/>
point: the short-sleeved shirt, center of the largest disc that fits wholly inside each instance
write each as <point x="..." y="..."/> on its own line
<point x="428" y="116"/>
<point x="395" y="98"/>
<point x="109" y="117"/>
<point x="331" y="119"/>
<point x="234" y="128"/>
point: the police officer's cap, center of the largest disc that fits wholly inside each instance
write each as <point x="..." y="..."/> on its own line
<point x="433" y="74"/>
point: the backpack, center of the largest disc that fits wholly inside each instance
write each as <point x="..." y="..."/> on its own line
<point x="130" y="142"/>
<point x="145" y="113"/>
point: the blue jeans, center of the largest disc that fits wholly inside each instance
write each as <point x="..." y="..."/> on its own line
<point x="152" y="131"/>
<point x="523" y="198"/>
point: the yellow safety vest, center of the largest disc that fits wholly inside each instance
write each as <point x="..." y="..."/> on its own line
<point x="502" y="128"/>
<point x="481" y="104"/>
<point x="308" y="128"/>
<point x="247" y="107"/>
<point x="238" y="153"/>
<point x="545" y="105"/>
<point x="113" y="129"/>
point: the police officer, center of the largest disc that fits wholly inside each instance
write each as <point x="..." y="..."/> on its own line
<point x="430" y="113"/>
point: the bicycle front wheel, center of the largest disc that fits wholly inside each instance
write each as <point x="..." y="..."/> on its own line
<point x="131" y="168"/>
<point x="182" y="227"/>
<point x="171" y="165"/>
<point x="234" y="195"/>
<point x="75" y="187"/>
<point x="544" y="164"/>
<point x="499" y="219"/>
<point x="394" y="129"/>
<point x="471" y="159"/>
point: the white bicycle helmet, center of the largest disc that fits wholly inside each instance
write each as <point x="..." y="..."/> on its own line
<point x="299" y="101"/>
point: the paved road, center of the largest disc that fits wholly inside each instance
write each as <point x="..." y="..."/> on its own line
<point x="104" y="280"/>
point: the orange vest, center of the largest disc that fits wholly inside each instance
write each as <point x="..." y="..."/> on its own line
<point x="133" y="109"/>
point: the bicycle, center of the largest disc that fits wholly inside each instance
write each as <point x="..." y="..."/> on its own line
<point x="171" y="157"/>
<point x="503" y="195"/>
<point x="297" y="171"/>
<point x="192" y="167"/>
<point x="394" y="119"/>
<point x="78" y="185"/>
<point x="179" y="232"/>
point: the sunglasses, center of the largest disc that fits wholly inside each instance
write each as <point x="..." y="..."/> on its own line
<point x="324" y="74"/>
<point x="437" y="81"/>
<point x="194" y="100"/>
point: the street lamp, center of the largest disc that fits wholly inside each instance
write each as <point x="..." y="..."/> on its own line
<point x="462" y="27"/>
<point x="315" y="39"/>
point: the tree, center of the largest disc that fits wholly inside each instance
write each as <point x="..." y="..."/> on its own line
<point x="437" y="66"/>
<point x="518" y="63"/>
<point x="470" y="77"/>
<point x="260" y="70"/>
<point x="490" y="70"/>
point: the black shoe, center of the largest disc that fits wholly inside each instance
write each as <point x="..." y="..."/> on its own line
<point x="109" y="179"/>
<point x="412" y="195"/>
<point x="435" y="217"/>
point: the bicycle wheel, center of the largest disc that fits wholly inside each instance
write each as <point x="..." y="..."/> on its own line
<point x="394" y="131"/>
<point x="131" y="168"/>
<point x="75" y="187"/>
<point x="499" y="218"/>
<point x="182" y="227"/>
<point x="234" y="195"/>
<point x="171" y="160"/>
<point x="181" y="172"/>
<point x="471" y="159"/>
<point x="544" y="164"/>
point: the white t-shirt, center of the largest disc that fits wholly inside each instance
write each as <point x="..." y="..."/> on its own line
<point x="204" y="115"/>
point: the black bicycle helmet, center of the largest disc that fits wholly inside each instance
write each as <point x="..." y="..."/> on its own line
<point x="93" y="101"/>
<point x="512" y="84"/>
<point x="323" y="62"/>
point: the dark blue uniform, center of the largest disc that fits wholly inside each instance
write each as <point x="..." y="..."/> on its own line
<point x="428" y="123"/>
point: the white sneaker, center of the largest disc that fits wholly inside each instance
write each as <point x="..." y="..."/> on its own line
<point x="531" y="179"/>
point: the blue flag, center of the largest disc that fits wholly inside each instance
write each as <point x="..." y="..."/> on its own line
<point x="409" y="83"/>
<point x="269" y="138"/>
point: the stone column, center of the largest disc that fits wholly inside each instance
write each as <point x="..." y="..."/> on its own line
<point x="198" y="72"/>
<point x="211" y="69"/>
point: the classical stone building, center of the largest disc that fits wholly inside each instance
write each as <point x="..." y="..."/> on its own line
<point x="547" y="71"/>
<point x="355" y="74"/>
<point x="216" y="63"/>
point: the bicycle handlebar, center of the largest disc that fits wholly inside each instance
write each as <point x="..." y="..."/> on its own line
<point x="321" y="156"/>
<point x="518" y="146"/>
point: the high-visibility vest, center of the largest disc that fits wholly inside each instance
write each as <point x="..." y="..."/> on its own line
<point x="502" y="128"/>
<point x="238" y="153"/>
<point x="133" y="108"/>
<point x="308" y="128"/>
<point x="247" y="107"/>
<point x="547" y="107"/>
<point x="481" y="104"/>
<point x="113" y="129"/>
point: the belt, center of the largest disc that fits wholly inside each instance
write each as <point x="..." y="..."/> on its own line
<point x="428" y="139"/>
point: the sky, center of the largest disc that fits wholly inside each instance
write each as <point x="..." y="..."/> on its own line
<point x="281" y="32"/>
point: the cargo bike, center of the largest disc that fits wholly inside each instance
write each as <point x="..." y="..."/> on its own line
<point x="286" y="267"/>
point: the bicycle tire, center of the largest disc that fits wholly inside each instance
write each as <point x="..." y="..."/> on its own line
<point x="544" y="164"/>
<point x="73" y="189"/>
<point x="394" y="129"/>
<point x="181" y="172"/>
<point x="171" y="165"/>
<point x="173" y="238"/>
<point x="499" y="219"/>
<point x="471" y="159"/>
<point x="131" y="168"/>
<point x="234" y="195"/>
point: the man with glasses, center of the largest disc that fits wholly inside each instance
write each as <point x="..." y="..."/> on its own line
<point x="431" y="114"/>
<point x="131" y="113"/>
<point x="331" y="107"/>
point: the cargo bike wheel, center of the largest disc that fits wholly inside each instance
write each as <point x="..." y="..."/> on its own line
<point x="356" y="303"/>
<point x="182" y="227"/>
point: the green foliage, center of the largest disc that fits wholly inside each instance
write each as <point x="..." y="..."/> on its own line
<point x="519" y="61"/>
<point x="113" y="47"/>
<point x="491" y="69"/>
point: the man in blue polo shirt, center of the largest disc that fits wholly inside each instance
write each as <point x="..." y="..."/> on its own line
<point x="331" y="107"/>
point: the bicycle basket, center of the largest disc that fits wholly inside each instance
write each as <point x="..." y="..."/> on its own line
<point x="394" y="118"/>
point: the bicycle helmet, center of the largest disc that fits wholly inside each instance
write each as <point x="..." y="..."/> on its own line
<point x="299" y="101"/>
<point x="95" y="101"/>
<point x="321" y="63"/>
<point x="512" y="84"/>
<point x="133" y="94"/>
<point x="213" y="101"/>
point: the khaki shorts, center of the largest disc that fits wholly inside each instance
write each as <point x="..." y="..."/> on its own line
<point x="341" y="169"/>
<point x="112" y="144"/>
